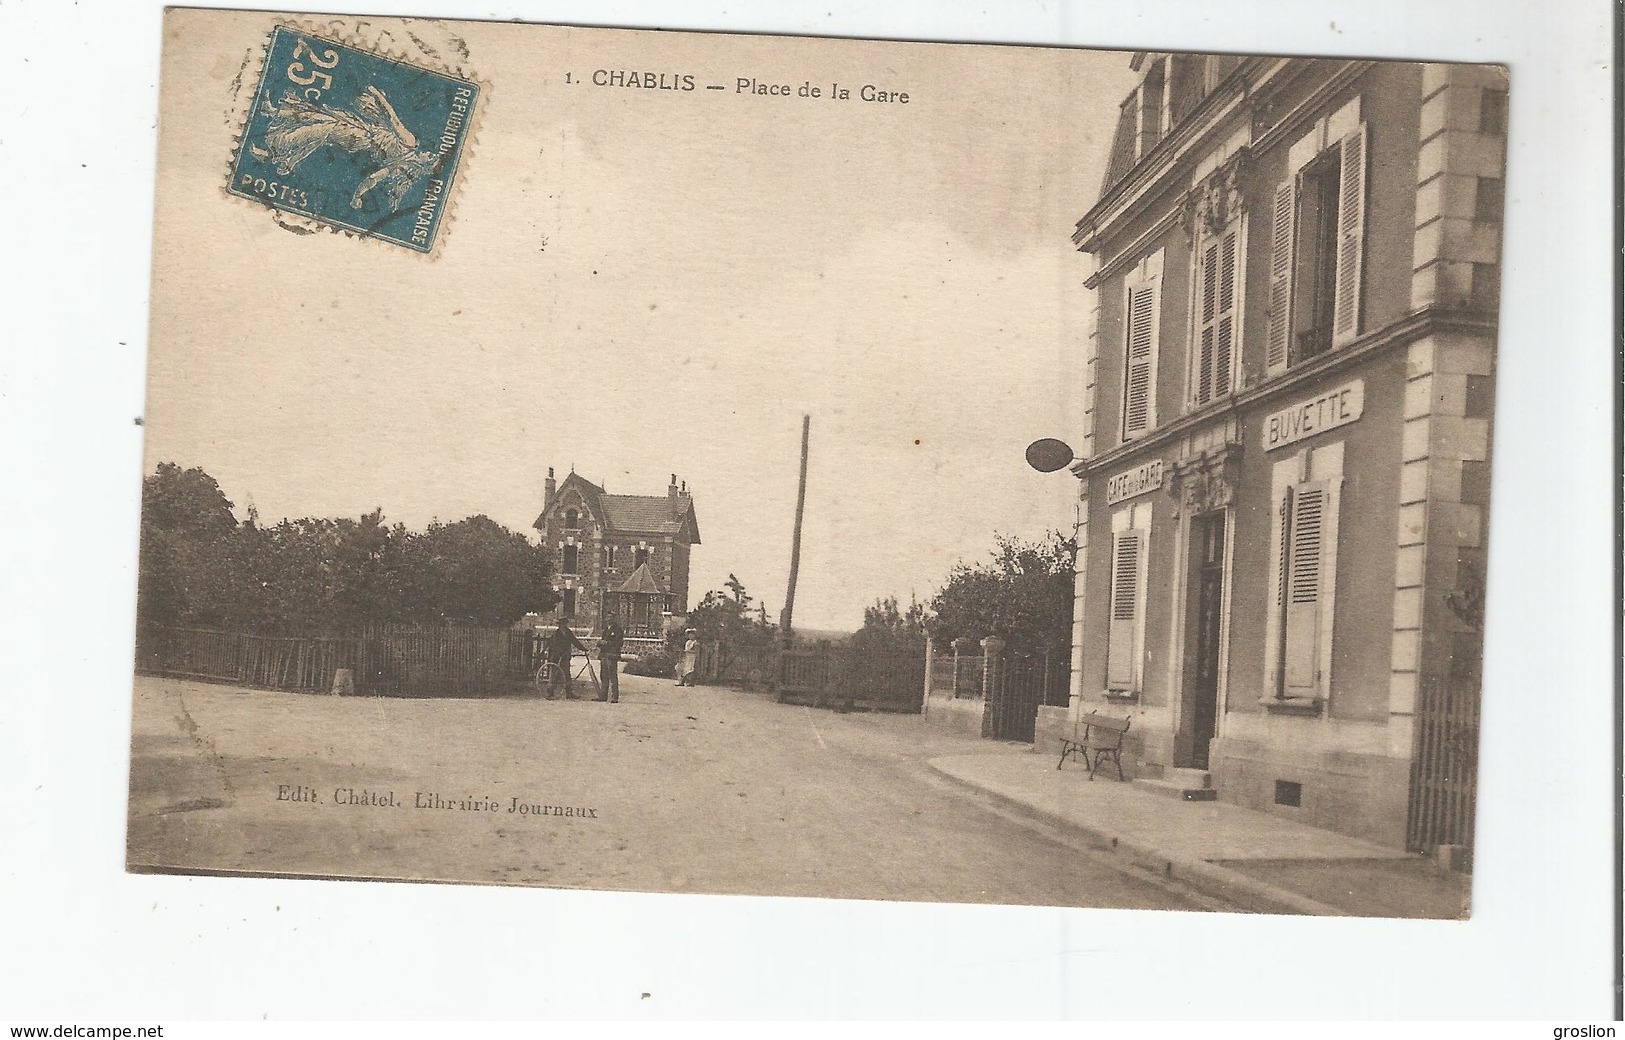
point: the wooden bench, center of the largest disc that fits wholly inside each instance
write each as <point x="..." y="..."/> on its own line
<point x="1094" y="739"/>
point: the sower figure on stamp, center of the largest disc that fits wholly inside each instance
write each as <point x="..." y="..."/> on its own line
<point x="559" y="646"/>
<point x="609" y="661"/>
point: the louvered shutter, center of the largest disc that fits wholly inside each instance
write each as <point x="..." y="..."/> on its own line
<point x="1350" y="236"/>
<point x="1304" y="569"/>
<point x="1128" y="563"/>
<point x="1216" y="317"/>
<point x="1280" y="318"/>
<point x="1207" y="287"/>
<point x="1137" y="387"/>
<point x="1225" y="327"/>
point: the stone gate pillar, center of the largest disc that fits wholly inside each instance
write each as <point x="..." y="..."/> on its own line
<point x="992" y="684"/>
<point x="925" y="694"/>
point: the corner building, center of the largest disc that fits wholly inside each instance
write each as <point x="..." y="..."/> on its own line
<point x="1284" y="470"/>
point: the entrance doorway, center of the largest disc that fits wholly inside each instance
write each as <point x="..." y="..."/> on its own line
<point x="1199" y="707"/>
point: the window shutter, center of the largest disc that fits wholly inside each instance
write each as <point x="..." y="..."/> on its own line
<point x="1216" y="318"/>
<point x="1304" y="571"/>
<point x="1225" y="328"/>
<point x="1137" y="388"/>
<point x="1128" y="565"/>
<point x="1280" y="325"/>
<point x="1207" y="305"/>
<point x="1350" y="237"/>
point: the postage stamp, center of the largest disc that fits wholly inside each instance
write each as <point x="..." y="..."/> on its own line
<point x="353" y="139"/>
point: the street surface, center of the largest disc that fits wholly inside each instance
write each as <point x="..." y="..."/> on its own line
<point x="672" y="790"/>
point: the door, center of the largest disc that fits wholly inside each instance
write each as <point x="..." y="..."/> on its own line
<point x="1200" y="713"/>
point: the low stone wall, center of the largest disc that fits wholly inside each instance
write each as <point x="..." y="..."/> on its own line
<point x="1052" y="725"/>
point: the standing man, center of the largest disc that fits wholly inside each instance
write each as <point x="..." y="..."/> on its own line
<point x="609" y="661"/>
<point x="559" y="645"/>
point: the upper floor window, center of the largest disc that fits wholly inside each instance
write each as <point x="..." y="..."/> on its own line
<point x="571" y="558"/>
<point x="641" y="557"/>
<point x="1143" y="298"/>
<point x="1217" y="314"/>
<point x="1318" y="241"/>
<point x="609" y="556"/>
<point x="572" y="519"/>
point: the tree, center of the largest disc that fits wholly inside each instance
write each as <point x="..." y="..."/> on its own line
<point x="199" y="567"/>
<point x="187" y="563"/>
<point x="323" y="574"/>
<point x="729" y="619"/>
<point x="887" y="626"/>
<point x="475" y="570"/>
<point x="1024" y="594"/>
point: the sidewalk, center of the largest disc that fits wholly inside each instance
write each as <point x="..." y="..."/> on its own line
<point x="1256" y="861"/>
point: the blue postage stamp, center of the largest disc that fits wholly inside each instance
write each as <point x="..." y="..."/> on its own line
<point x="354" y="140"/>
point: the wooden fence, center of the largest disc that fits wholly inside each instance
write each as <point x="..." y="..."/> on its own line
<point x="396" y="660"/>
<point x="875" y="679"/>
<point x="747" y="666"/>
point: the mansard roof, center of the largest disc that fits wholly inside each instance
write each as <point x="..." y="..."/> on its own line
<point x="1156" y="108"/>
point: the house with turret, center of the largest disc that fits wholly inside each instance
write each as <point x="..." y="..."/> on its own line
<point x="622" y="556"/>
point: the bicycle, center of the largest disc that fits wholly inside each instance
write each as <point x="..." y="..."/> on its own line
<point x="542" y="678"/>
<point x="547" y="670"/>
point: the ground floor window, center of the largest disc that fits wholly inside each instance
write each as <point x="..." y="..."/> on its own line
<point x="1304" y="565"/>
<point x="1125" y="632"/>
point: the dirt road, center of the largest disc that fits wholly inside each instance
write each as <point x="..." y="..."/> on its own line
<point x="673" y="789"/>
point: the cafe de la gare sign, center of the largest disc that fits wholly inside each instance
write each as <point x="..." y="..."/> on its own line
<point x="1136" y="481"/>
<point x="1336" y="407"/>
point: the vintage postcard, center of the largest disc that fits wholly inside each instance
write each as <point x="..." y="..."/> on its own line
<point x="678" y="462"/>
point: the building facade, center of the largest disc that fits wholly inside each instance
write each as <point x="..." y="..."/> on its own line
<point x="1284" y="471"/>
<point x="626" y="555"/>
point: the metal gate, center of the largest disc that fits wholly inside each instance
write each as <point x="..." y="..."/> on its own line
<point x="1011" y="710"/>
<point x="1444" y="769"/>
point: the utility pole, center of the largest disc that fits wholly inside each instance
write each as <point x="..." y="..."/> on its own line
<point x="795" y="543"/>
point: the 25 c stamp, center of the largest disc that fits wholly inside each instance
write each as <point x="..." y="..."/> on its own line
<point x="353" y="139"/>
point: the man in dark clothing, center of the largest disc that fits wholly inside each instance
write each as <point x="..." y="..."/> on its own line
<point x="559" y="644"/>
<point x="609" y="661"/>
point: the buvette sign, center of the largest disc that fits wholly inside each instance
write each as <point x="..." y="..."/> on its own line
<point x="1327" y="411"/>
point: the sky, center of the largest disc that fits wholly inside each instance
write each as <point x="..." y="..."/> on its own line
<point x="639" y="283"/>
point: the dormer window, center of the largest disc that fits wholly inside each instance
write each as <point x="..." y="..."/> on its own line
<point x="1153" y="99"/>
